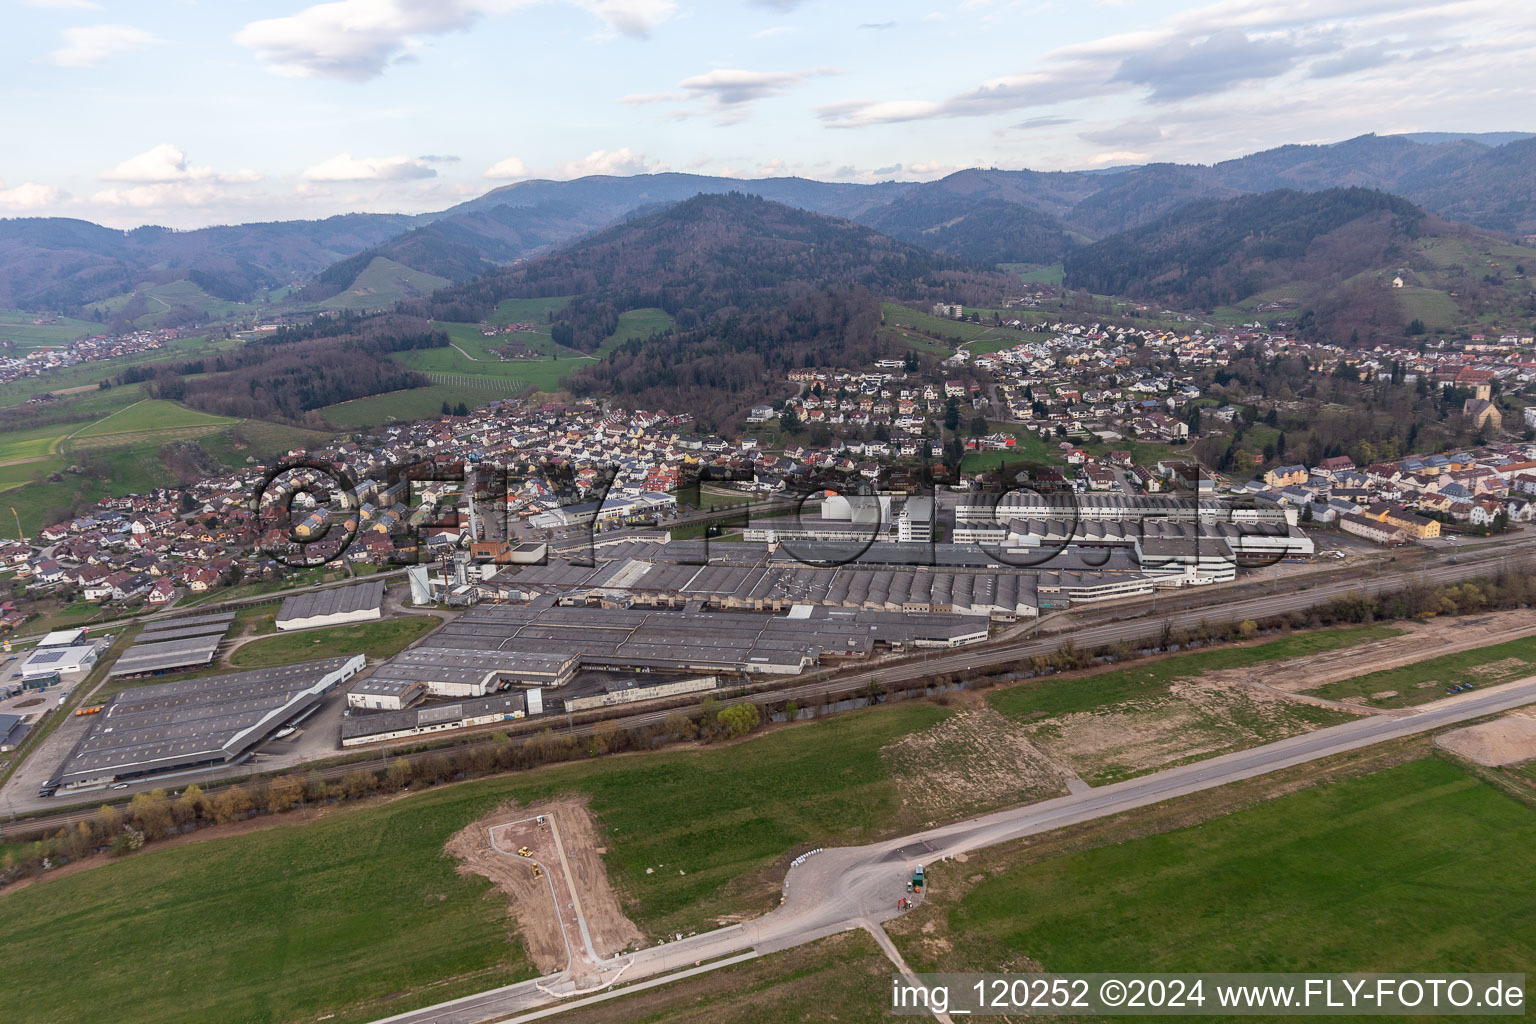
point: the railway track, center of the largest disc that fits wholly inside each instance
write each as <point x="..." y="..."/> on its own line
<point x="1099" y="628"/>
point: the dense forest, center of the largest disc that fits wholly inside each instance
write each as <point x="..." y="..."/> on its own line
<point x="709" y="259"/>
<point x="717" y="370"/>
<point x="986" y="229"/>
<point x="298" y="369"/>
<point x="1216" y="252"/>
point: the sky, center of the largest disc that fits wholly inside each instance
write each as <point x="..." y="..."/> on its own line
<point x="188" y="113"/>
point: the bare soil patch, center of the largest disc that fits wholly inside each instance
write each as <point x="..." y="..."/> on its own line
<point x="1507" y="740"/>
<point x="975" y="758"/>
<point x="1419" y="640"/>
<point x="1197" y="719"/>
<point x="546" y="922"/>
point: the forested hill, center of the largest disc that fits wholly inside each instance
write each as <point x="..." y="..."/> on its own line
<point x="1213" y="253"/>
<point x="753" y="288"/>
<point x="710" y="256"/>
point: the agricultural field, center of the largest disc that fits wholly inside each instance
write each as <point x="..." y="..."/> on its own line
<point x="1032" y="274"/>
<point x="1412" y="868"/>
<point x="17" y="328"/>
<point x="133" y="468"/>
<point x="160" y="299"/>
<point x="1434" y="307"/>
<point x="122" y="446"/>
<point x="259" y="440"/>
<point x="383" y="283"/>
<point x="382" y="639"/>
<point x="150" y="417"/>
<point x="1119" y="723"/>
<point x="417" y="403"/>
<point x="1427" y="680"/>
<point x="473" y="358"/>
<point x="89" y="375"/>
<point x="359" y="912"/>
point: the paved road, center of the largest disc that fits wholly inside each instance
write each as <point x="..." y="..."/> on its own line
<point x="843" y="888"/>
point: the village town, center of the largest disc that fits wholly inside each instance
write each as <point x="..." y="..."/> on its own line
<point x="1092" y="407"/>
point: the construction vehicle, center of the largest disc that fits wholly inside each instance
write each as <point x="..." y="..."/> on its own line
<point x="917" y="879"/>
<point x="523" y="851"/>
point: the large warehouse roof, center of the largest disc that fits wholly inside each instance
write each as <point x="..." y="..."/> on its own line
<point x="167" y="644"/>
<point x="195" y="722"/>
<point x="340" y="604"/>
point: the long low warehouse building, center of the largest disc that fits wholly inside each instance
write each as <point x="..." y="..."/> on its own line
<point x="168" y="645"/>
<point x="196" y="723"/>
<point x="337" y="606"/>
<point x="394" y="725"/>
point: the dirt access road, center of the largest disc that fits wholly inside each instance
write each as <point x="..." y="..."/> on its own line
<point x="567" y="914"/>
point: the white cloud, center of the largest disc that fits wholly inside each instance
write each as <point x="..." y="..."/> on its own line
<point x="89" y="45"/>
<point x="729" y="86"/>
<point x="31" y="196"/>
<point x="1220" y="48"/>
<point x="165" y="162"/>
<point x="359" y="39"/>
<point x="345" y="167"/>
<point x="164" y="195"/>
<point x="507" y="170"/>
<point x="727" y="92"/>
<point x="618" y="162"/>
<point x="168" y="164"/>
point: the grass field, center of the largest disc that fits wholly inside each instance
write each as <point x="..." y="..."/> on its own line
<point x="17" y="392"/>
<point x="259" y="440"/>
<point x="1427" y="680"/>
<point x="162" y="298"/>
<point x="151" y="416"/>
<point x="1431" y="305"/>
<point x="1037" y="275"/>
<point x="1050" y="697"/>
<point x="289" y="923"/>
<point x="133" y="468"/>
<point x="381" y="639"/>
<point x="385" y="282"/>
<point x="1415" y="868"/>
<point x="17" y="328"/>
<point x="127" y="439"/>
<point x="404" y="406"/>
<point x="473" y="357"/>
<point x="281" y="925"/>
<point x="528" y="311"/>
